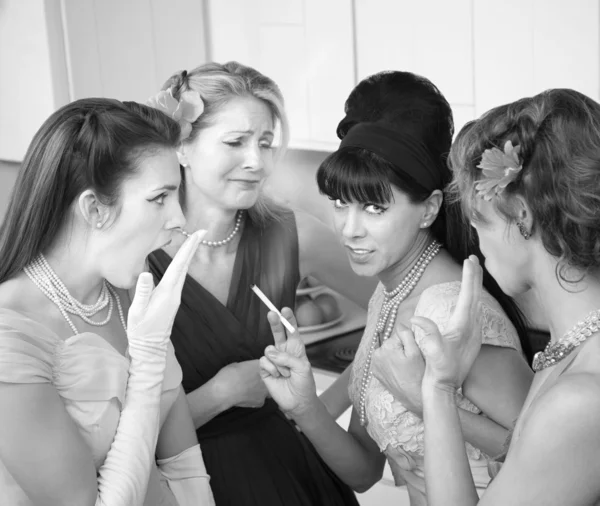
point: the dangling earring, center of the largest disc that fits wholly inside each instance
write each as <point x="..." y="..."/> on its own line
<point x="524" y="232"/>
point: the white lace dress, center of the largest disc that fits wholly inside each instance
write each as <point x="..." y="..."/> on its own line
<point x="397" y="431"/>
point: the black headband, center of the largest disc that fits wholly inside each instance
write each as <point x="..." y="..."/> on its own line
<point x="400" y="148"/>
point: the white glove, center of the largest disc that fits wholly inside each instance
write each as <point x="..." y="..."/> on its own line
<point x="123" y="478"/>
<point x="187" y="478"/>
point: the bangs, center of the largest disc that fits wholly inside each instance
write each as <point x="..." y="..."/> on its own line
<point x="355" y="175"/>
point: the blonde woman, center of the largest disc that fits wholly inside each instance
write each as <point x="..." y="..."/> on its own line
<point x="254" y="454"/>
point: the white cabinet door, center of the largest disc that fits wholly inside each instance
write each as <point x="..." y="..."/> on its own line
<point x="32" y="72"/>
<point x="331" y="72"/>
<point x="522" y="47"/>
<point x="428" y="37"/>
<point x="305" y="46"/>
<point x="127" y="50"/>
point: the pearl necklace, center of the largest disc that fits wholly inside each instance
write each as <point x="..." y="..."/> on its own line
<point x="216" y="244"/>
<point x="387" y="316"/>
<point x="44" y="277"/>
<point x="555" y="352"/>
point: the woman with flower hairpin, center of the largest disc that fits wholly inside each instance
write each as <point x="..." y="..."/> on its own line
<point x="92" y="409"/>
<point x="386" y="183"/>
<point x="253" y="453"/>
<point x="528" y="174"/>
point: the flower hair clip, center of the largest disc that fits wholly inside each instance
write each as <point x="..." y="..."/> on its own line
<point x="185" y="111"/>
<point x="500" y="168"/>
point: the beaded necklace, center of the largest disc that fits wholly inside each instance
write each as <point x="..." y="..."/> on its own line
<point x="216" y="244"/>
<point x="555" y="352"/>
<point x="44" y="277"/>
<point x="388" y="313"/>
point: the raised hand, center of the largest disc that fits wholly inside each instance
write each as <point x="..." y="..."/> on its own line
<point x="153" y="310"/>
<point x="285" y="368"/>
<point x="449" y="359"/>
<point x="399" y="366"/>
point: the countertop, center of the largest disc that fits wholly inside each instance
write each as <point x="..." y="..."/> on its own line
<point x="336" y="353"/>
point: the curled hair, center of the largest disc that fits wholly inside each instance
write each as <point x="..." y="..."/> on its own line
<point x="396" y="99"/>
<point x="559" y="134"/>
<point x="217" y="84"/>
<point x="93" y="144"/>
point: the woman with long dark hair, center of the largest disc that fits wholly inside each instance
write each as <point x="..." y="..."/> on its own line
<point x="92" y="410"/>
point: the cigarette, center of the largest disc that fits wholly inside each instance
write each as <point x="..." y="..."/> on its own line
<point x="270" y="305"/>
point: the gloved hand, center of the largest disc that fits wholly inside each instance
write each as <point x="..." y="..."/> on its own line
<point x="123" y="478"/>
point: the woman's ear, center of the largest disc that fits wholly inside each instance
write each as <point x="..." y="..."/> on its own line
<point x="433" y="204"/>
<point x="94" y="213"/>
<point x="522" y="212"/>
<point x="182" y="155"/>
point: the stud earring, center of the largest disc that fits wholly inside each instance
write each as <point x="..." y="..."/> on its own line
<point x="426" y="224"/>
<point x="524" y="232"/>
<point x="99" y="224"/>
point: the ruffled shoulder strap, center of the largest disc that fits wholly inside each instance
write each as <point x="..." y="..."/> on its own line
<point x="27" y="349"/>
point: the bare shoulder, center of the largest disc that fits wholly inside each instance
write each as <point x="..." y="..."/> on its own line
<point x="567" y="414"/>
<point x="21" y="295"/>
<point x="556" y="445"/>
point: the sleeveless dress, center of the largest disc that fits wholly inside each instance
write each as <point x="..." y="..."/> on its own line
<point x="90" y="376"/>
<point x="254" y="456"/>
<point x="398" y="432"/>
<point x="495" y="464"/>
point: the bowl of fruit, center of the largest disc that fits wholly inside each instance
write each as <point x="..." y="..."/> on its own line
<point x="316" y="308"/>
<point x="308" y="285"/>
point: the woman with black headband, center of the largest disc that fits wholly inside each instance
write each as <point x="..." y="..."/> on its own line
<point x="386" y="183"/>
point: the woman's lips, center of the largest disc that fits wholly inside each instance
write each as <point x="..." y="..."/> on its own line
<point x="359" y="255"/>
<point x="247" y="181"/>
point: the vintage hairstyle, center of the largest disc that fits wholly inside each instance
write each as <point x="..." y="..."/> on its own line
<point x="398" y="100"/>
<point x="93" y="143"/>
<point x="406" y="101"/>
<point x="559" y="135"/>
<point x="217" y="84"/>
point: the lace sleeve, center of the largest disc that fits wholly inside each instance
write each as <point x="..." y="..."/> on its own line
<point x="438" y="302"/>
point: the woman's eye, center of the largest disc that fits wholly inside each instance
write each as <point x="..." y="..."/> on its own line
<point x="266" y="145"/>
<point x="160" y="199"/>
<point x="234" y="144"/>
<point x="374" y="209"/>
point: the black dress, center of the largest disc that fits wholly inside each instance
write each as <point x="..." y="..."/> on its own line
<point x="254" y="456"/>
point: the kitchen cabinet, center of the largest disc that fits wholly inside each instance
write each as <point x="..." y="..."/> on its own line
<point x="432" y="38"/>
<point x="522" y="47"/>
<point x="483" y="53"/>
<point x="32" y="72"/>
<point x="56" y="51"/>
<point x="127" y="50"/>
<point x="305" y="46"/>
